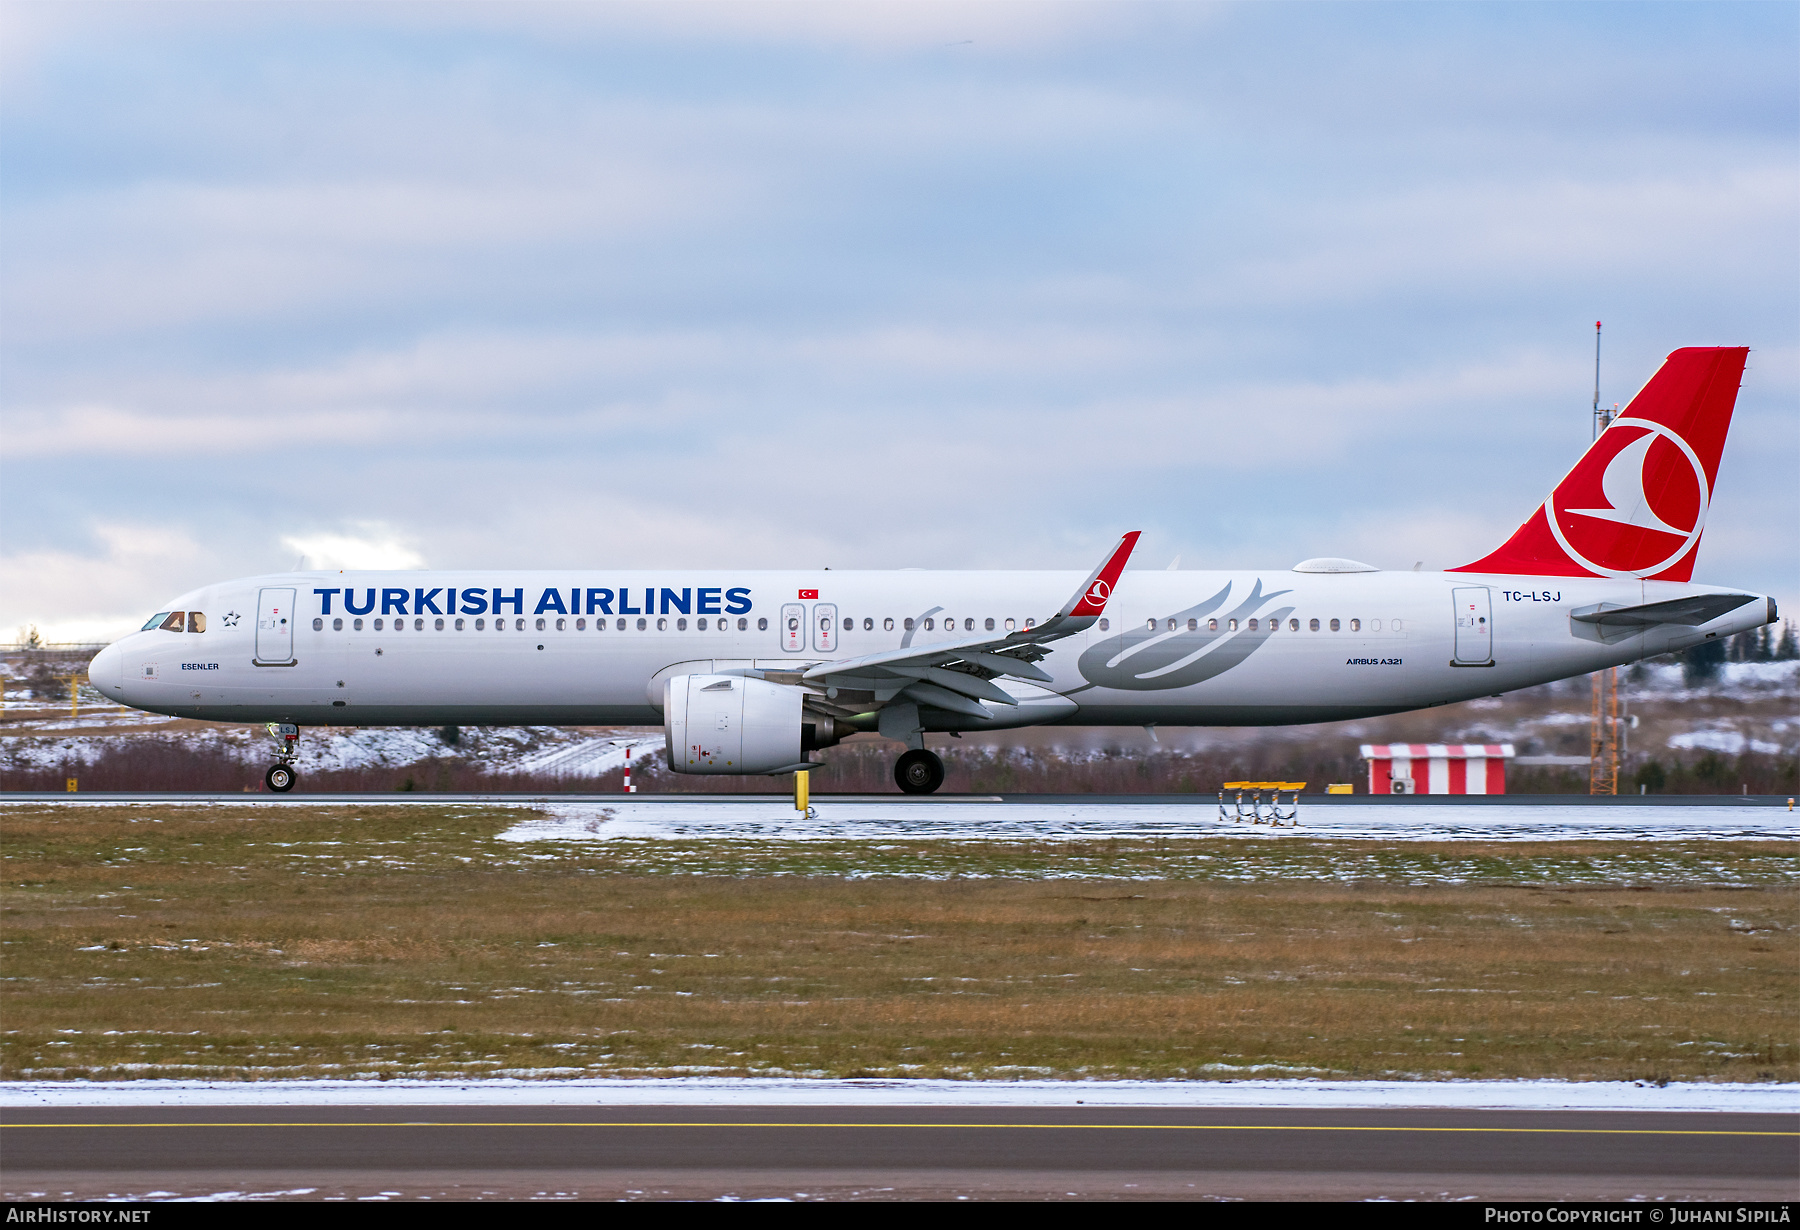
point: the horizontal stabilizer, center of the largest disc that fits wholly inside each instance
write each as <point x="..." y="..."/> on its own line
<point x="1688" y="612"/>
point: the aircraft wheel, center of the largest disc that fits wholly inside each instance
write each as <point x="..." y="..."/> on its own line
<point x="919" y="772"/>
<point x="281" y="778"/>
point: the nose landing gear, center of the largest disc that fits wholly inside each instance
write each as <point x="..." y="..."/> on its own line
<point x="282" y="774"/>
<point x="918" y="771"/>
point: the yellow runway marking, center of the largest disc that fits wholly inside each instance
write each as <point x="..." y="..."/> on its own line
<point x="1078" y="1127"/>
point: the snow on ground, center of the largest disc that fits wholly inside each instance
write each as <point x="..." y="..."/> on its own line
<point x="1731" y="742"/>
<point x="717" y="1091"/>
<point x="879" y="820"/>
<point x="591" y="757"/>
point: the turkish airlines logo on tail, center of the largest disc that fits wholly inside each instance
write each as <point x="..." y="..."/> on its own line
<point x="1099" y="592"/>
<point x="1636" y="508"/>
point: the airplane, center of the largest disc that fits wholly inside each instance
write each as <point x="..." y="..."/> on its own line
<point x="751" y="672"/>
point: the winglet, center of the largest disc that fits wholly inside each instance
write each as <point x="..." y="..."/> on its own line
<point x="1091" y="598"/>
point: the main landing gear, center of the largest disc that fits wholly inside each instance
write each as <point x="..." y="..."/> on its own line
<point x="918" y="771"/>
<point x="282" y="775"/>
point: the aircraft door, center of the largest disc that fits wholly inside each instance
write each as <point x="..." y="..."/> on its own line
<point x="1474" y="625"/>
<point x="275" y="627"/>
<point x="825" y="627"/>
<point x="793" y="628"/>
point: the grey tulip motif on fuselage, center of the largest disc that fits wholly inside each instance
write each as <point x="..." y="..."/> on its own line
<point x="1142" y="660"/>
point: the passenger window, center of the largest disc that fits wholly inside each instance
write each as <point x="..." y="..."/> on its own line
<point x="1011" y="625"/>
<point x="356" y="625"/>
<point x="1150" y="625"/>
<point x="1231" y="625"/>
<point x="1356" y="625"/>
<point x="378" y="625"/>
<point x="989" y="625"/>
<point x="699" y="625"/>
<point x="337" y="625"/>
<point x="1313" y="624"/>
<point x="480" y="625"/>
<point x="1374" y="625"/>
<point x="762" y="625"/>
<point x="849" y="625"/>
<point x="459" y="625"/>
<point x="643" y="624"/>
<point x="173" y="622"/>
<point x="196" y="621"/>
<point x="887" y="625"/>
<point x="419" y="625"/>
<point x="1031" y="623"/>
<point x="1105" y="624"/>
<point x="540" y="625"/>
<point x="518" y="625"/>
<point x="1193" y="625"/>
<point x="680" y="625"/>
<point x="662" y="625"/>
<point x="909" y="624"/>
<point x="1212" y="625"/>
<point x="1253" y="625"/>
<point x="562" y="625"/>
<point x="969" y="625"/>
<point x="1173" y="625"/>
<point x="929" y="627"/>
<point x="868" y="625"/>
<point x="581" y="625"/>
<point x="155" y="621"/>
<point x="1397" y="625"/>
<point x="318" y="624"/>
<point x="1334" y="625"/>
<point x="1293" y="625"/>
<point x="620" y="626"/>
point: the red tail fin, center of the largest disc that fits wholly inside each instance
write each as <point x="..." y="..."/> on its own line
<point x="1635" y="504"/>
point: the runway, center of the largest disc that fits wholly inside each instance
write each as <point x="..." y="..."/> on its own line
<point x="851" y="1151"/>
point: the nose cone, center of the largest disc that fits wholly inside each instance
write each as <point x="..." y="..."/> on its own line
<point x="107" y="670"/>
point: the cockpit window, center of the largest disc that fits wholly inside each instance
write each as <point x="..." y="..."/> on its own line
<point x="173" y="622"/>
<point x="155" y="621"/>
<point x="196" y="621"/>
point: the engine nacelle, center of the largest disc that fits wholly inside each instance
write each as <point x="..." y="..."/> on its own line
<point x="731" y="724"/>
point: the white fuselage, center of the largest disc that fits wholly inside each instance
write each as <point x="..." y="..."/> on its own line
<point x="371" y="653"/>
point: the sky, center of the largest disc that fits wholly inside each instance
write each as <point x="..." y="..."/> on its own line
<point x="865" y="285"/>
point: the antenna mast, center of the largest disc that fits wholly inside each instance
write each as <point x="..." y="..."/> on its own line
<point x="1603" y="736"/>
<point x="1601" y="418"/>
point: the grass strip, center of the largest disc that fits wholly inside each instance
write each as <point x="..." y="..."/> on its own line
<point x="245" y="943"/>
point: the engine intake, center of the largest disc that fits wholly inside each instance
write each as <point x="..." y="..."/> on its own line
<point x="731" y="724"/>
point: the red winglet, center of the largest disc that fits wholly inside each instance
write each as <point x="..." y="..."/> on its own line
<point x="1091" y="598"/>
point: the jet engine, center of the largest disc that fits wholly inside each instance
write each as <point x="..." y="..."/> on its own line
<point x="734" y="724"/>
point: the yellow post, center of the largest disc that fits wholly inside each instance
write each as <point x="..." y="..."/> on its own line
<point x="71" y="783"/>
<point x="801" y="786"/>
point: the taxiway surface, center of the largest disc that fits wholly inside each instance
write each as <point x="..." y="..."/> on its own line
<point x="875" y="1152"/>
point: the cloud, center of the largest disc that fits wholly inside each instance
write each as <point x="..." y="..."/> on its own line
<point x="365" y="546"/>
<point x="101" y="594"/>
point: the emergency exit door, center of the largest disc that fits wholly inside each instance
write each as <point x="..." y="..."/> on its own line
<point x="825" y="627"/>
<point x="275" y="627"/>
<point x="793" y="628"/>
<point x="1474" y="626"/>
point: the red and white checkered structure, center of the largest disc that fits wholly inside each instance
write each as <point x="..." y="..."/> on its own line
<point x="1437" y="768"/>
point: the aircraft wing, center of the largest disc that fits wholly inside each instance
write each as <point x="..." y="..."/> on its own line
<point x="958" y="675"/>
<point x="1689" y="612"/>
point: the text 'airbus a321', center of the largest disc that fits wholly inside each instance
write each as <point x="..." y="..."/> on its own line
<point x="750" y="672"/>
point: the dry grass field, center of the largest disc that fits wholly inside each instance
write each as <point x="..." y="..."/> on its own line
<point x="245" y="943"/>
